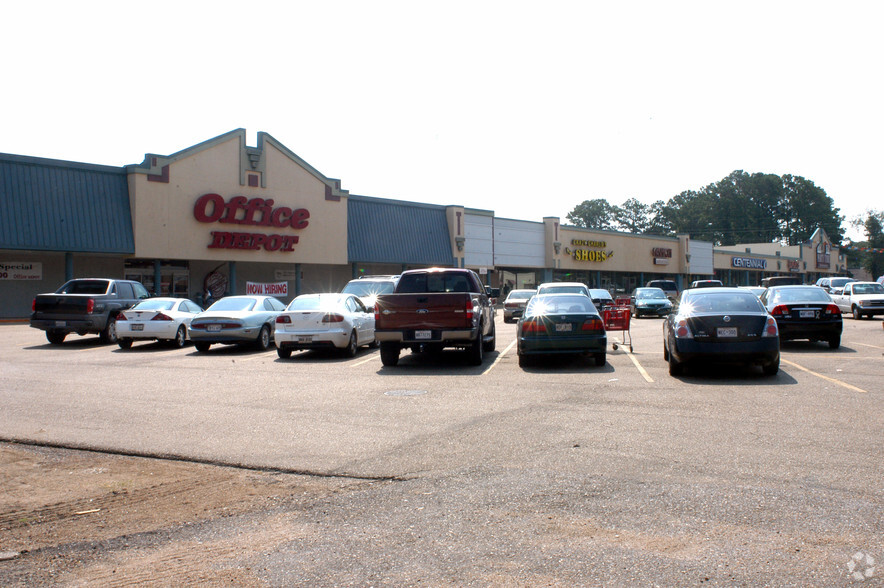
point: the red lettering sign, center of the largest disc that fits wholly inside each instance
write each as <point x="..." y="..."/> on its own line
<point x="239" y="210"/>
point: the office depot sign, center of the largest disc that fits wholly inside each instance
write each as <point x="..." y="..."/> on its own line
<point x="253" y="212"/>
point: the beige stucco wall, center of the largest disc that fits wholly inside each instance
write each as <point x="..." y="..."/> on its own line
<point x="163" y="213"/>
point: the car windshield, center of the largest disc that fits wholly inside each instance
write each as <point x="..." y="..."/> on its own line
<point x="520" y="295"/>
<point x="84" y="287"/>
<point x="650" y="294"/>
<point x="717" y="302"/>
<point x="541" y="305"/>
<point x="799" y="295"/>
<point x="364" y="289"/>
<point x="314" y="303"/>
<point x="868" y="289"/>
<point x="663" y="285"/>
<point x="234" y="304"/>
<point x="154" y="305"/>
<point x="563" y="290"/>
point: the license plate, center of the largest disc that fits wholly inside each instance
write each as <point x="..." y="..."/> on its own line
<point x="423" y="334"/>
<point x="60" y="324"/>
<point x="561" y="327"/>
<point x="305" y="338"/>
<point x="137" y="327"/>
<point x="727" y="332"/>
<point x="805" y="314"/>
<point x="213" y="328"/>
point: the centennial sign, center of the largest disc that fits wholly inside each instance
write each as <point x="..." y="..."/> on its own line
<point x="259" y="212"/>
<point x="749" y="263"/>
<point x="662" y="255"/>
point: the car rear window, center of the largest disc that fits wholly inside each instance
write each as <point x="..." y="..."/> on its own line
<point x="800" y="295"/>
<point x="233" y="304"/>
<point x="154" y="305"/>
<point x="723" y="302"/>
<point x="313" y="302"/>
<point x="85" y="287"/>
<point x="367" y="288"/>
<point x="560" y="304"/>
<point x="562" y="290"/>
<point x="520" y="295"/>
<point x="419" y="283"/>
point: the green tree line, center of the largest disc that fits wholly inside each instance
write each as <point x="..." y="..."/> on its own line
<point x="740" y="208"/>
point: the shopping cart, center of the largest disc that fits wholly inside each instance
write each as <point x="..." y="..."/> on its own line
<point x="617" y="319"/>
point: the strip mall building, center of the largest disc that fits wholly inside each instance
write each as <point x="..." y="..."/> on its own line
<point x="223" y="217"/>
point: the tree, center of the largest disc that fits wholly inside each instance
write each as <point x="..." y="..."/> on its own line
<point x="592" y="214"/>
<point x="804" y="208"/>
<point x="873" y="225"/>
<point x="632" y="216"/>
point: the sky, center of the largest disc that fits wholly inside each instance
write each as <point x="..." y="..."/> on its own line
<point x="523" y="108"/>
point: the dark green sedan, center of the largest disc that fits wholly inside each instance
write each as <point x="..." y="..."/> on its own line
<point x="561" y="324"/>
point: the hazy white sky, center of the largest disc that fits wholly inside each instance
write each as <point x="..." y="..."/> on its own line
<point x="524" y="108"/>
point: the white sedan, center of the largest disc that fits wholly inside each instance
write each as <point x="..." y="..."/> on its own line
<point x="163" y="319"/>
<point x="324" y="321"/>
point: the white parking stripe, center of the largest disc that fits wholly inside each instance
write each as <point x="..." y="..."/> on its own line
<point x="499" y="357"/>
<point x="638" y="366"/>
<point x="867" y="345"/>
<point x="374" y="357"/>
<point x="827" y="378"/>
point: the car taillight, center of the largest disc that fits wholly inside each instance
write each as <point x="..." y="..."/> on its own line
<point x="161" y="317"/>
<point x="333" y="318"/>
<point x="534" y="326"/>
<point x="469" y="309"/>
<point x="283" y="319"/>
<point x="832" y="309"/>
<point x="682" y="331"/>
<point x="122" y="317"/>
<point x="90" y="305"/>
<point x="34" y="305"/>
<point x="593" y="324"/>
<point x="770" y="329"/>
<point x="780" y="310"/>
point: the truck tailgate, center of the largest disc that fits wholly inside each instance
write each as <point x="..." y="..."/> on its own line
<point x="423" y="311"/>
<point x="61" y="304"/>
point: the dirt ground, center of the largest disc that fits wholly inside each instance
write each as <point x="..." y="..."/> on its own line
<point x="83" y="518"/>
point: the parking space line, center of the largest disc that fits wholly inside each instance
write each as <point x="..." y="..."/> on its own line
<point x="499" y="357"/>
<point x="374" y="357"/>
<point x="638" y="366"/>
<point x="827" y="378"/>
<point x="867" y="345"/>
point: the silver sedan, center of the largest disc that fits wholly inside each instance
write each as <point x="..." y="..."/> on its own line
<point x="237" y="319"/>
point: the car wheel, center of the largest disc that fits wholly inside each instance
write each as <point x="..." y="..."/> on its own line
<point x="124" y="343"/>
<point x="601" y="359"/>
<point x="374" y="344"/>
<point x="489" y="346"/>
<point x="835" y="342"/>
<point x="389" y="354"/>
<point x="202" y="347"/>
<point x="665" y="353"/>
<point x="56" y="337"/>
<point x="476" y="352"/>
<point x="263" y="342"/>
<point x="771" y="369"/>
<point x="109" y="333"/>
<point x="283" y="353"/>
<point x="675" y="367"/>
<point x="856" y="313"/>
<point x="350" y="349"/>
<point x="180" y="337"/>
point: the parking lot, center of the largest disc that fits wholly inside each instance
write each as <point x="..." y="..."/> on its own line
<point x="437" y="472"/>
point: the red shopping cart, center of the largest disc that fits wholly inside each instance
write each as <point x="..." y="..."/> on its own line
<point x="617" y="319"/>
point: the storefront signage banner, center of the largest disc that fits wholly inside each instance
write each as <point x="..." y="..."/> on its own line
<point x="21" y="270"/>
<point x="267" y="289"/>
<point x="749" y="263"/>
<point x="239" y="210"/>
<point x="588" y="254"/>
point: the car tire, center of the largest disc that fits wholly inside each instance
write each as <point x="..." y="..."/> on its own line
<point x="601" y="359"/>
<point x="389" y="354"/>
<point x="675" y="367"/>
<point x="835" y="342"/>
<point x="476" y="351"/>
<point x="857" y="315"/>
<point x="55" y="337"/>
<point x="124" y="343"/>
<point x="771" y="369"/>
<point x="263" y="341"/>
<point x="489" y="346"/>
<point x="352" y="347"/>
<point x="665" y="353"/>
<point x="202" y="347"/>
<point x="283" y="352"/>
<point x="180" y="338"/>
<point x="109" y="333"/>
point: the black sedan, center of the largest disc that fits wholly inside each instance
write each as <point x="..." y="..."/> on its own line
<point x="804" y="312"/>
<point x="726" y="325"/>
<point x="559" y="324"/>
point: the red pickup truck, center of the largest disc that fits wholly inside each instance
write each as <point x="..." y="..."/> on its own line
<point x="434" y="308"/>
